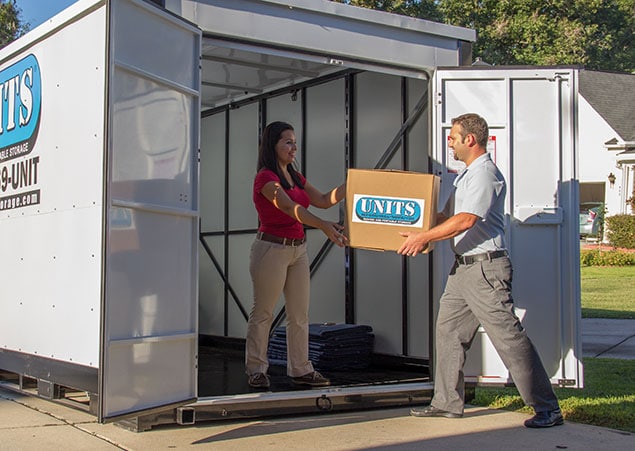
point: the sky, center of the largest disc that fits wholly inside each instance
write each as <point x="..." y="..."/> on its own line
<point x="37" y="11"/>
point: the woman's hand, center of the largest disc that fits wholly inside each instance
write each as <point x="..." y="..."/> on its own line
<point x="333" y="232"/>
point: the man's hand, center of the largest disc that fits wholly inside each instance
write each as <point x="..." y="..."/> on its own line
<point x="448" y="228"/>
<point x="414" y="244"/>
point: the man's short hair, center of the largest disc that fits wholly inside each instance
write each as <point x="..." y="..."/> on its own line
<point x="474" y="124"/>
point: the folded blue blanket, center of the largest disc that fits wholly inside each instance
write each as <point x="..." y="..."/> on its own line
<point x="331" y="346"/>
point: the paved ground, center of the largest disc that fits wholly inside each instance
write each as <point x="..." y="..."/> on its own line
<point x="31" y="423"/>
<point x="608" y="338"/>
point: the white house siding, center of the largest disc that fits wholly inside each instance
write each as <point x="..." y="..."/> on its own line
<point x="596" y="162"/>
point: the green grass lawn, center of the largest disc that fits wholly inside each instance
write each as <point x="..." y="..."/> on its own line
<point x="608" y="292"/>
<point x="608" y="399"/>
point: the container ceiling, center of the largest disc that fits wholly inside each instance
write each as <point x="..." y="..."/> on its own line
<point x="230" y="74"/>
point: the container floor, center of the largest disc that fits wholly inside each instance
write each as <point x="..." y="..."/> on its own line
<point x="222" y="372"/>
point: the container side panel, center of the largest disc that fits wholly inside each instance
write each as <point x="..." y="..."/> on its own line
<point x="51" y="191"/>
<point x="213" y="204"/>
<point x="325" y="151"/>
<point x="212" y="166"/>
<point x="239" y="249"/>
<point x="487" y="95"/>
<point x="536" y="144"/>
<point x="327" y="282"/>
<point x="140" y="373"/>
<point x="418" y="137"/>
<point x="148" y="50"/>
<point x="147" y="253"/>
<point x="378" y="118"/>
<point x="152" y="147"/>
<point x="288" y="108"/>
<point x="536" y="188"/>
<point x="50" y="296"/>
<point x="243" y="156"/>
<point x="378" y="289"/>
<point x="418" y="158"/>
<point x="378" y="297"/>
<point x="326" y="141"/>
<point x="418" y="305"/>
<point x="212" y="288"/>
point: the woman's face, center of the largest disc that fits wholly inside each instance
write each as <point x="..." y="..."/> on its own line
<point x="286" y="148"/>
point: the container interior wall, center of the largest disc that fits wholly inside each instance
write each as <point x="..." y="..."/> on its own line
<point x="348" y="120"/>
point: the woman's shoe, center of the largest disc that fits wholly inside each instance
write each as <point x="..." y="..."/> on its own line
<point x="259" y="380"/>
<point x="431" y="411"/>
<point x="313" y="379"/>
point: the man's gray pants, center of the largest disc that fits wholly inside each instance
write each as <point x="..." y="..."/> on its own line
<point x="480" y="293"/>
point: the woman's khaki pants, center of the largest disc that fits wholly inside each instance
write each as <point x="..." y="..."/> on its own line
<point x="278" y="269"/>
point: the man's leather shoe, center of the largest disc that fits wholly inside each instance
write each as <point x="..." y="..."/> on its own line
<point x="432" y="411"/>
<point x="545" y="419"/>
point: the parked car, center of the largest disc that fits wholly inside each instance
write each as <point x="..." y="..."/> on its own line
<point x="591" y="218"/>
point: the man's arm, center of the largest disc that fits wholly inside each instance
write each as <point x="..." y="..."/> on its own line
<point x="448" y="228"/>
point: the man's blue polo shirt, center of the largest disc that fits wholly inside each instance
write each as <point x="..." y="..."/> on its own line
<point x="480" y="190"/>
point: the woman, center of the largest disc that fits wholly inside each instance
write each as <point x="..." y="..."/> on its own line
<point x="279" y="261"/>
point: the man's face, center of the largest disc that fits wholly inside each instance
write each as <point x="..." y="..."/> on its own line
<point x="458" y="144"/>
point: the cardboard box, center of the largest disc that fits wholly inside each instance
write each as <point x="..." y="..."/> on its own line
<point x="382" y="203"/>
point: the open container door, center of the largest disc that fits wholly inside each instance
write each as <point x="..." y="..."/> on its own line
<point x="150" y="323"/>
<point x="533" y="140"/>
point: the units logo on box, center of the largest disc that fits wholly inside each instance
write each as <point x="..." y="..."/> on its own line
<point x="368" y="208"/>
<point x="21" y="101"/>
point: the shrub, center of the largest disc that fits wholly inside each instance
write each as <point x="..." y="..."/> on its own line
<point x="621" y="231"/>
<point x="596" y="257"/>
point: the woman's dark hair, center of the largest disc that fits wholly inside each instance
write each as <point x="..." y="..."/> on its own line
<point x="267" y="157"/>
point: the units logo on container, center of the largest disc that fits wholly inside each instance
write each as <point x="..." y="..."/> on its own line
<point x="21" y="102"/>
<point x="369" y="208"/>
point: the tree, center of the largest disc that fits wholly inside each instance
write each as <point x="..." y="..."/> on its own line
<point x="424" y="9"/>
<point x="595" y="33"/>
<point x="598" y="34"/>
<point x="11" y="25"/>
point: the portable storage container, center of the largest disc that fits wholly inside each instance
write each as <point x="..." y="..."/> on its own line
<point x="127" y="158"/>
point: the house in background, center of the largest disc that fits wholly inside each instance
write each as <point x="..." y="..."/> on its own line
<point x="607" y="139"/>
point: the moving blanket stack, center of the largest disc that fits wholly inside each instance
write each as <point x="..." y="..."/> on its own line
<point x="331" y="346"/>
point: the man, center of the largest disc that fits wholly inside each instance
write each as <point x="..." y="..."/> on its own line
<point x="478" y="290"/>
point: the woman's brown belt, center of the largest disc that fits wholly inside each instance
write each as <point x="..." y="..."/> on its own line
<point x="278" y="239"/>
